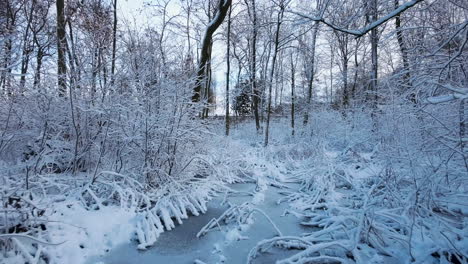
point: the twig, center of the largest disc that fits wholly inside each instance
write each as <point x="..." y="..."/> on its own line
<point x="10" y="236"/>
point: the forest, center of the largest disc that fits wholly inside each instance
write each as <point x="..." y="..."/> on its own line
<point x="233" y="131"/>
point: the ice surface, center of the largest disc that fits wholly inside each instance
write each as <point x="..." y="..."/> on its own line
<point x="230" y="243"/>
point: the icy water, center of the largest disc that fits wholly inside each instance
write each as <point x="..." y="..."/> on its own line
<point x="182" y="246"/>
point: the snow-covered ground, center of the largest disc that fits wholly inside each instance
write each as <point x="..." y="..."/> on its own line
<point x="310" y="199"/>
<point x="229" y="243"/>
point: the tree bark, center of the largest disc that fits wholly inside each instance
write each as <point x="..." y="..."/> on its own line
<point x="5" y="80"/>
<point x="374" y="57"/>
<point x="37" y="76"/>
<point x="223" y="7"/>
<point x="310" y="73"/>
<point x="61" y="44"/>
<point x="256" y="93"/>
<point x="356" y="71"/>
<point x="75" y="69"/>
<point x="272" y="71"/>
<point x="26" y="47"/>
<point x="114" y="43"/>
<point x="228" y="69"/>
<point x="293" y="87"/>
<point x="404" y="52"/>
<point x="343" y="41"/>
<point x="345" y="81"/>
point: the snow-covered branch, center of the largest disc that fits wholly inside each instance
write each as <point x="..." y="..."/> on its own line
<point x="359" y="32"/>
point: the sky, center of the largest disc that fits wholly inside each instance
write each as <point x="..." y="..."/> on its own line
<point x="128" y="7"/>
<point x="132" y="10"/>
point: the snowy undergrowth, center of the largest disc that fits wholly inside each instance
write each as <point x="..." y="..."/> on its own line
<point x="368" y="200"/>
<point x="79" y="221"/>
<point x="72" y="219"/>
<point x="369" y="195"/>
<point x="365" y="218"/>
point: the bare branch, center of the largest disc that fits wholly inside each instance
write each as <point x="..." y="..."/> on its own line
<point x="360" y="32"/>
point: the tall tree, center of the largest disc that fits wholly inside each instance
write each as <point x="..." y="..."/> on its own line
<point x="252" y="10"/>
<point x="228" y="69"/>
<point x="223" y="7"/>
<point x="404" y="52"/>
<point x="279" y="21"/>
<point x="114" y="42"/>
<point x="310" y="71"/>
<point x="374" y="39"/>
<point x="343" y="50"/>
<point x="43" y="38"/>
<point x="11" y="10"/>
<point x="61" y="48"/>
<point x="27" y="44"/>
<point x="293" y="90"/>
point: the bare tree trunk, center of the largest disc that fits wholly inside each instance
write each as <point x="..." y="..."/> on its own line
<point x="73" y="58"/>
<point x="223" y="7"/>
<point x="272" y="70"/>
<point x="37" y="75"/>
<point x="310" y="74"/>
<point x="228" y="69"/>
<point x="374" y="56"/>
<point x="342" y="40"/>
<point x="5" y="79"/>
<point x="404" y="52"/>
<point x="356" y="71"/>
<point x="282" y="84"/>
<point x="114" y="43"/>
<point x="345" y="80"/>
<point x="253" y="66"/>
<point x="104" y="75"/>
<point x="207" y="94"/>
<point x="94" y="69"/>
<point x="26" y="47"/>
<point x="6" y="75"/>
<point x="293" y="87"/>
<point x="99" y="67"/>
<point x="275" y="104"/>
<point x="189" y="8"/>
<point x="61" y="43"/>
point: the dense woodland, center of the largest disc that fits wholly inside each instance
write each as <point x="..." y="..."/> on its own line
<point x="100" y="111"/>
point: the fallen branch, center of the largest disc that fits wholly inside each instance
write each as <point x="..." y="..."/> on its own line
<point x="10" y="236"/>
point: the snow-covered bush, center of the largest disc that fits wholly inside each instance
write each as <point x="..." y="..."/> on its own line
<point x="375" y="189"/>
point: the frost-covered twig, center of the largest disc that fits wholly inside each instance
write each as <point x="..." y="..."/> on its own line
<point x="11" y="236"/>
<point x="264" y="245"/>
<point x="268" y="218"/>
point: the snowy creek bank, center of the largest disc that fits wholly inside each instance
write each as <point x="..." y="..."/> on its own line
<point x="229" y="241"/>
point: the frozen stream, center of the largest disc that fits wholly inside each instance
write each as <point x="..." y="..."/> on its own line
<point x="228" y="245"/>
